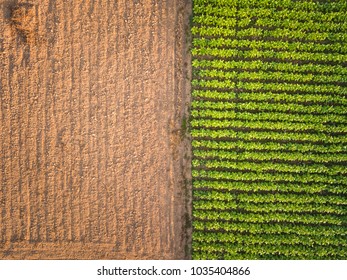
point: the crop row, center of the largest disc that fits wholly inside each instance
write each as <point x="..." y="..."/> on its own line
<point x="269" y="54"/>
<point x="259" y="251"/>
<point x="268" y="125"/>
<point x="278" y="97"/>
<point x="271" y="198"/>
<point x="268" y="166"/>
<point x="270" y="177"/>
<point x="279" y="239"/>
<point x="270" y="107"/>
<point x="305" y="151"/>
<point x="293" y="98"/>
<point x="271" y="217"/>
<point x="275" y="228"/>
<point x="288" y="4"/>
<point x="259" y="86"/>
<point x="272" y="45"/>
<point x="271" y="76"/>
<point x="271" y="66"/>
<point x="261" y="22"/>
<point x="250" y="155"/>
<point x="285" y="34"/>
<point x="271" y="187"/>
<point x="245" y="13"/>
<point x="320" y="120"/>
<point x="268" y="135"/>
<point x="218" y="205"/>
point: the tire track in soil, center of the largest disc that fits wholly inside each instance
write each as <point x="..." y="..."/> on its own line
<point x="91" y="164"/>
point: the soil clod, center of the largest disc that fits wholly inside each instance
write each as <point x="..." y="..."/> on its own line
<point x="23" y="17"/>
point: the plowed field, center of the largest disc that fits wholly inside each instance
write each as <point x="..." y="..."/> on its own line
<point x="93" y="95"/>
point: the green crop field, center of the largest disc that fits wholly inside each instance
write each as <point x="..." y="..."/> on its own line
<point x="268" y="125"/>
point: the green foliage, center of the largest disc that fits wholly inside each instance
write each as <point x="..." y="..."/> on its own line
<point x="271" y="66"/>
<point x="268" y="126"/>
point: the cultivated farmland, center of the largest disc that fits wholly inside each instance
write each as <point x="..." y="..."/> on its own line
<point x="269" y="123"/>
<point x="92" y="98"/>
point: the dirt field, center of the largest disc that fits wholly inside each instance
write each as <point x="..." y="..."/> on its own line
<point x="94" y="160"/>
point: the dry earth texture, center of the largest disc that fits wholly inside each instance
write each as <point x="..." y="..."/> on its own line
<point x="94" y="157"/>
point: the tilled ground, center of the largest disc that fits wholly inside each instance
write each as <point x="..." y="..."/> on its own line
<point x="93" y="158"/>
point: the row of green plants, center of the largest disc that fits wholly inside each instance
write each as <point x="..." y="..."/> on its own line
<point x="333" y="152"/>
<point x="268" y="126"/>
<point x="245" y="197"/>
<point x="268" y="22"/>
<point x="257" y="53"/>
<point x="264" y="106"/>
<point x="260" y="251"/>
<point x="219" y="205"/>
<point x="291" y="157"/>
<point x="320" y="120"/>
<point x="269" y="176"/>
<point x="270" y="217"/>
<point x="259" y="229"/>
<point x="270" y="34"/>
<point x="290" y="239"/>
<point x="270" y="76"/>
<point x="269" y="166"/>
<point x="266" y="187"/>
<point x="279" y="45"/>
<point x="289" y="4"/>
<point x="269" y="86"/>
<point x="268" y="136"/>
<point x="276" y="13"/>
<point x="334" y="70"/>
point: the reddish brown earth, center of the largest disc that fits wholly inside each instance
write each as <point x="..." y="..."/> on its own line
<point x="94" y="163"/>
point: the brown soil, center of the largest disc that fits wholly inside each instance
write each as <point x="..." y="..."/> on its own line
<point x="23" y="18"/>
<point x="94" y="159"/>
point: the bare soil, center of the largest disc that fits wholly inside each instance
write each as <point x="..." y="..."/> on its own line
<point x="94" y="152"/>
